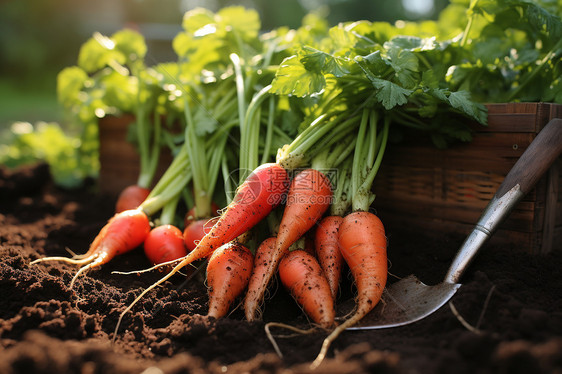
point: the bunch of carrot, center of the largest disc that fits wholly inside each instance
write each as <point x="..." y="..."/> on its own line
<point x="297" y="136"/>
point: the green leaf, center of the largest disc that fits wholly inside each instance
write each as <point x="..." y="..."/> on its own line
<point x="377" y="64"/>
<point x="120" y="91"/>
<point x="461" y="100"/>
<point x="204" y="122"/>
<point x="390" y="94"/>
<point x="323" y="63"/>
<point x="97" y="53"/>
<point x="430" y="78"/>
<point x="70" y="82"/>
<point x="292" y="78"/>
<point x="131" y="44"/>
<point x="413" y="43"/>
<point x="405" y="65"/>
<point x="440" y="93"/>
<point x="342" y="39"/>
<point x="244" y="22"/>
<point x="198" y="20"/>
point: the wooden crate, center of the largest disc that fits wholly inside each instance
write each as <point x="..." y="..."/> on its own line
<point x="119" y="159"/>
<point x="445" y="191"/>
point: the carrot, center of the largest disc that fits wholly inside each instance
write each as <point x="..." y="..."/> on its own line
<point x="164" y="243"/>
<point x="362" y="242"/>
<point x="328" y="252"/>
<point x="308" y="198"/>
<point x="196" y="230"/>
<point x="228" y="274"/>
<point x="301" y="274"/>
<point x="262" y="191"/>
<point x="122" y="233"/>
<point x="131" y="197"/>
<point x="263" y="257"/>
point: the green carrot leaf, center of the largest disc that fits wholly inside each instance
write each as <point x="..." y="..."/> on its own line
<point x="131" y="44"/>
<point x="97" y="53"/>
<point x="322" y="62"/>
<point x="390" y="94"/>
<point x="204" y="122"/>
<point x="405" y="65"/>
<point x="461" y="101"/>
<point x="70" y="82"/>
<point x="292" y="78"/>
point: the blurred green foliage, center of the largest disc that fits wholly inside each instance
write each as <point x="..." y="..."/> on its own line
<point x="47" y="142"/>
<point x="40" y="37"/>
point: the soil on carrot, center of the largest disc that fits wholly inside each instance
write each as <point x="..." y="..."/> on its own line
<point x="510" y="300"/>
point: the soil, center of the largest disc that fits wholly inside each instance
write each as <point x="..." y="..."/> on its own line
<point x="511" y="302"/>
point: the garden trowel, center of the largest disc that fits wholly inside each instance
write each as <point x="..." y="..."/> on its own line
<point x="409" y="300"/>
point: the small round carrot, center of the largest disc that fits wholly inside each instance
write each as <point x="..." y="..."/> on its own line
<point x="228" y="274"/>
<point x="308" y="199"/>
<point x="328" y="252"/>
<point x="131" y="197"/>
<point x="362" y="242"/>
<point x="163" y="244"/>
<point x="196" y="230"/>
<point x="301" y="274"/>
<point x="123" y="232"/>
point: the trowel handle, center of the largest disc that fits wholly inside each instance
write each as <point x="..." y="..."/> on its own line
<point x="534" y="162"/>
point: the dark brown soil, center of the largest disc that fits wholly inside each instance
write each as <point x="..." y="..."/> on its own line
<point x="45" y="327"/>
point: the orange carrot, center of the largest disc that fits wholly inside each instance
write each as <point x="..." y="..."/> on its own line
<point x="328" y="252"/>
<point x="262" y="191"/>
<point x="164" y="243"/>
<point x="122" y="233"/>
<point x="308" y="199"/>
<point x="228" y="274"/>
<point x="301" y="274"/>
<point x="131" y="198"/>
<point x="362" y="242"/>
<point x="263" y="257"/>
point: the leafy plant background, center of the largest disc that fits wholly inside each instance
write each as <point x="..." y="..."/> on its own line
<point x="39" y="38"/>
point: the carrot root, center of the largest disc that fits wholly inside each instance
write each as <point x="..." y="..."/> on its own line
<point x="228" y="274"/>
<point x="122" y="233"/>
<point x="301" y="274"/>
<point x="264" y="261"/>
<point x="328" y="252"/>
<point x="288" y="327"/>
